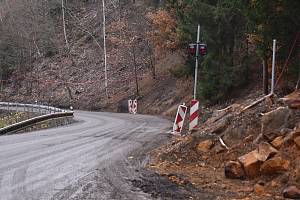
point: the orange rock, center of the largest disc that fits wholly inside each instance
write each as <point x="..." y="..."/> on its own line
<point x="259" y="189"/>
<point x="205" y="145"/>
<point x="234" y="170"/>
<point x="277" y="142"/>
<point x="275" y="165"/>
<point x="251" y="163"/>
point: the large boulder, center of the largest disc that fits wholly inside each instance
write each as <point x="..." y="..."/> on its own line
<point x="234" y="170"/>
<point x="272" y="122"/>
<point x="274" y="165"/>
<point x="251" y="163"/>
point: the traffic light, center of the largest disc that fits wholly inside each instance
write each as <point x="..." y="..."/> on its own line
<point x="192" y="49"/>
<point x="202" y="49"/>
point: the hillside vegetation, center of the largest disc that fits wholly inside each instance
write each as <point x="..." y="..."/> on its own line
<point x="52" y="51"/>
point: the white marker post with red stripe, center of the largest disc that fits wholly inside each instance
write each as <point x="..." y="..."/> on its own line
<point x="194" y="111"/>
<point x="134" y="107"/>
<point x="130" y="106"/>
<point x="194" y="115"/>
<point x="179" y="120"/>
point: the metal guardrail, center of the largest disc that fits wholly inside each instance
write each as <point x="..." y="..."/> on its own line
<point x="29" y="107"/>
<point x="50" y="113"/>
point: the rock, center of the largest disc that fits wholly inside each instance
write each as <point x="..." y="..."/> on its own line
<point x="284" y="179"/>
<point x="251" y="163"/>
<point x="292" y="100"/>
<point x="234" y="170"/>
<point x="233" y="136"/>
<point x="272" y="122"/>
<point x="297" y="175"/>
<point x="218" y="148"/>
<point x="297" y="141"/>
<point x="290" y="137"/>
<point x="265" y="151"/>
<point x="275" y="165"/>
<point x="274" y="184"/>
<point x="291" y="192"/>
<point x="296" y="163"/>
<point x="285" y="131"/>
<point x="259" y="189"/>
<point x="277" y="142"/>
<point x="205" y="145"/>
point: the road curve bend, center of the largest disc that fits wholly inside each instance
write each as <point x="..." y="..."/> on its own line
<point x="90" y="159"/>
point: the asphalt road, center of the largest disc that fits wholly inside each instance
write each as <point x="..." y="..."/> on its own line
<point x="93" y="159"/>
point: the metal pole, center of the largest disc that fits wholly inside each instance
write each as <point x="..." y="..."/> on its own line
<point x="104" y="48"/>
<point x="197" y="62"/>
<point x="273" y="67"/>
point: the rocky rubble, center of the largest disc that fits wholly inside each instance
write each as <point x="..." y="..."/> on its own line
<point x="261" y="161"/>
<point x="270" y="158"/>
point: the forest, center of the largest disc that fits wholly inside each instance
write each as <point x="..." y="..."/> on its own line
<point x="238" y="33"/>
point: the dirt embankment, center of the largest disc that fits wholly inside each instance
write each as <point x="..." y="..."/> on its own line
<point x="236" y="154"/>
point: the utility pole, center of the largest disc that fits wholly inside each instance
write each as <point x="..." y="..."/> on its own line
<point x="64" y="23"/>
<point x="104" y="47"/>
<point x="135" y="74"/>
<point x="197" y="62"/>
<point x="273" y="67"/>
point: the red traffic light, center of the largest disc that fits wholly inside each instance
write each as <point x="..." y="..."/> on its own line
<point x="192" y="49"/>
<point x="202" y="49"/>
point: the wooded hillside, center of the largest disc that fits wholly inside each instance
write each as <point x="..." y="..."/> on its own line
<point x="54" y="49"/>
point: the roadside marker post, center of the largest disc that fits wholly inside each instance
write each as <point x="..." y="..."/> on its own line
<point x="134" y="107"/>
<point x="194" y="115"/>
<point x="179" y="119"/>
<point x="130" y="106"/>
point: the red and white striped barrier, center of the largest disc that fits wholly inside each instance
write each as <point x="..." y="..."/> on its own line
<point x="179" y="120"/>
<point x="132" y="106"/>
<point x="194" y="115"/>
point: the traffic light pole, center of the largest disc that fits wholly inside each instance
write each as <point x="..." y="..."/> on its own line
<point x="197" y="62"/>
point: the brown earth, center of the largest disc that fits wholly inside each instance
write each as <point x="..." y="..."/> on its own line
<point x="188" y="163"/>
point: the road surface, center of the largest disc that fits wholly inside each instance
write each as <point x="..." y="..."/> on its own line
<point x="93" y="159"/>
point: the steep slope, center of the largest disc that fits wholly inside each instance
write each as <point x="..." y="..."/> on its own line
<point x="76" y="76"/>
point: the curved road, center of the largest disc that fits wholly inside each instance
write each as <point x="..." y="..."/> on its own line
<point x="93" y="159"/>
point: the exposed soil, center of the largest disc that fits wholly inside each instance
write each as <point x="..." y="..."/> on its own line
<point x="183" y="163"/>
